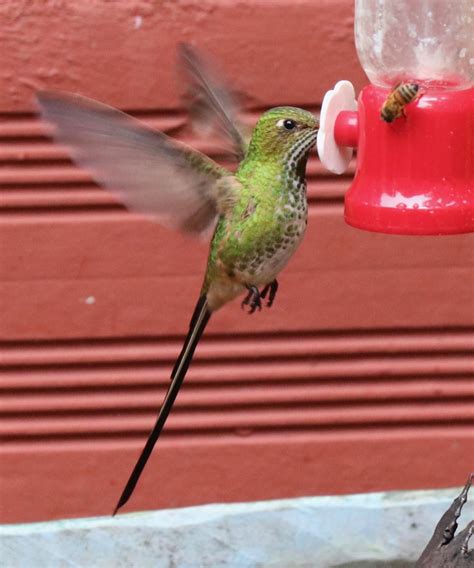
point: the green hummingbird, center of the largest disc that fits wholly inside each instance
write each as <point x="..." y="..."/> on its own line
<point x="258" y="213"/>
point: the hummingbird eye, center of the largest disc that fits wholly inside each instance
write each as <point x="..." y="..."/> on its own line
<point x="287" y="123"/>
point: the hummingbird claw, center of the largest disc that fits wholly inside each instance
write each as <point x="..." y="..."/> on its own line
<point x="252" y="300"/>
<point x="272" y="287"/>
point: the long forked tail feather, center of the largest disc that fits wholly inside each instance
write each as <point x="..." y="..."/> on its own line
<point x="198" y="323"/>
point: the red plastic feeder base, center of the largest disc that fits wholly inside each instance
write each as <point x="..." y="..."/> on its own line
<point x="414" y="176"/>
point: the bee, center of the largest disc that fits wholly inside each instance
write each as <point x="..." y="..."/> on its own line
<point x="394" y="105"/>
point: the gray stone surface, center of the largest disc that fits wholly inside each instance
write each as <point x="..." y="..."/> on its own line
<point x="368" y="530"/>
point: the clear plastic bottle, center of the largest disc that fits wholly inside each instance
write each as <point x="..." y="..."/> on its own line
<point x="430" y="42"/>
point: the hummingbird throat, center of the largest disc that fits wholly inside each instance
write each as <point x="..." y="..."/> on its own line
<point x="296" y="157"/>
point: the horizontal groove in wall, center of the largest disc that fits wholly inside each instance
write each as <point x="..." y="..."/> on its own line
<point x="235" y="372"/>
<point x="215" y="422"/>
<point x="392" y="433"/>
<point x="291" y="344"/>
<point x="41" y="402"/>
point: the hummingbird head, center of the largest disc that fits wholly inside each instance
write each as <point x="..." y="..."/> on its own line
<point x="284" y="133"/>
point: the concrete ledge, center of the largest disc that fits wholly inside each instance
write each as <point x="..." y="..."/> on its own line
<point x="314" y="532"/>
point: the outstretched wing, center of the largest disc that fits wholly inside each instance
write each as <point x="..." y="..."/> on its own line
<point x="150" y="173"/>
<point x="210" y="103"/>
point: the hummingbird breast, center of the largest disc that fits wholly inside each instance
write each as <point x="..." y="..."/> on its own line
<point x="264" y="230"/>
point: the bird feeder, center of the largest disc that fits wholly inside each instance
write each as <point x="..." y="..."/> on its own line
<point x="414" y="175"/>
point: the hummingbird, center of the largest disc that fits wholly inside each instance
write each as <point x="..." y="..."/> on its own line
<point x="258" y="214"/>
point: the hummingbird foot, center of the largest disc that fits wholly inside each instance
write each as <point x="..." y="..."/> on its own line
<point x="252" y="300"/>
<point x="272" y="288"/>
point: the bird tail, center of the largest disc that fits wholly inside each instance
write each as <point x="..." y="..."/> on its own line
<point x="198" y="323"/>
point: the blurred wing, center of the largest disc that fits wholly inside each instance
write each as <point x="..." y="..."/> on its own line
<point x="211" y="104"/>
<point x="149" y="172"/>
